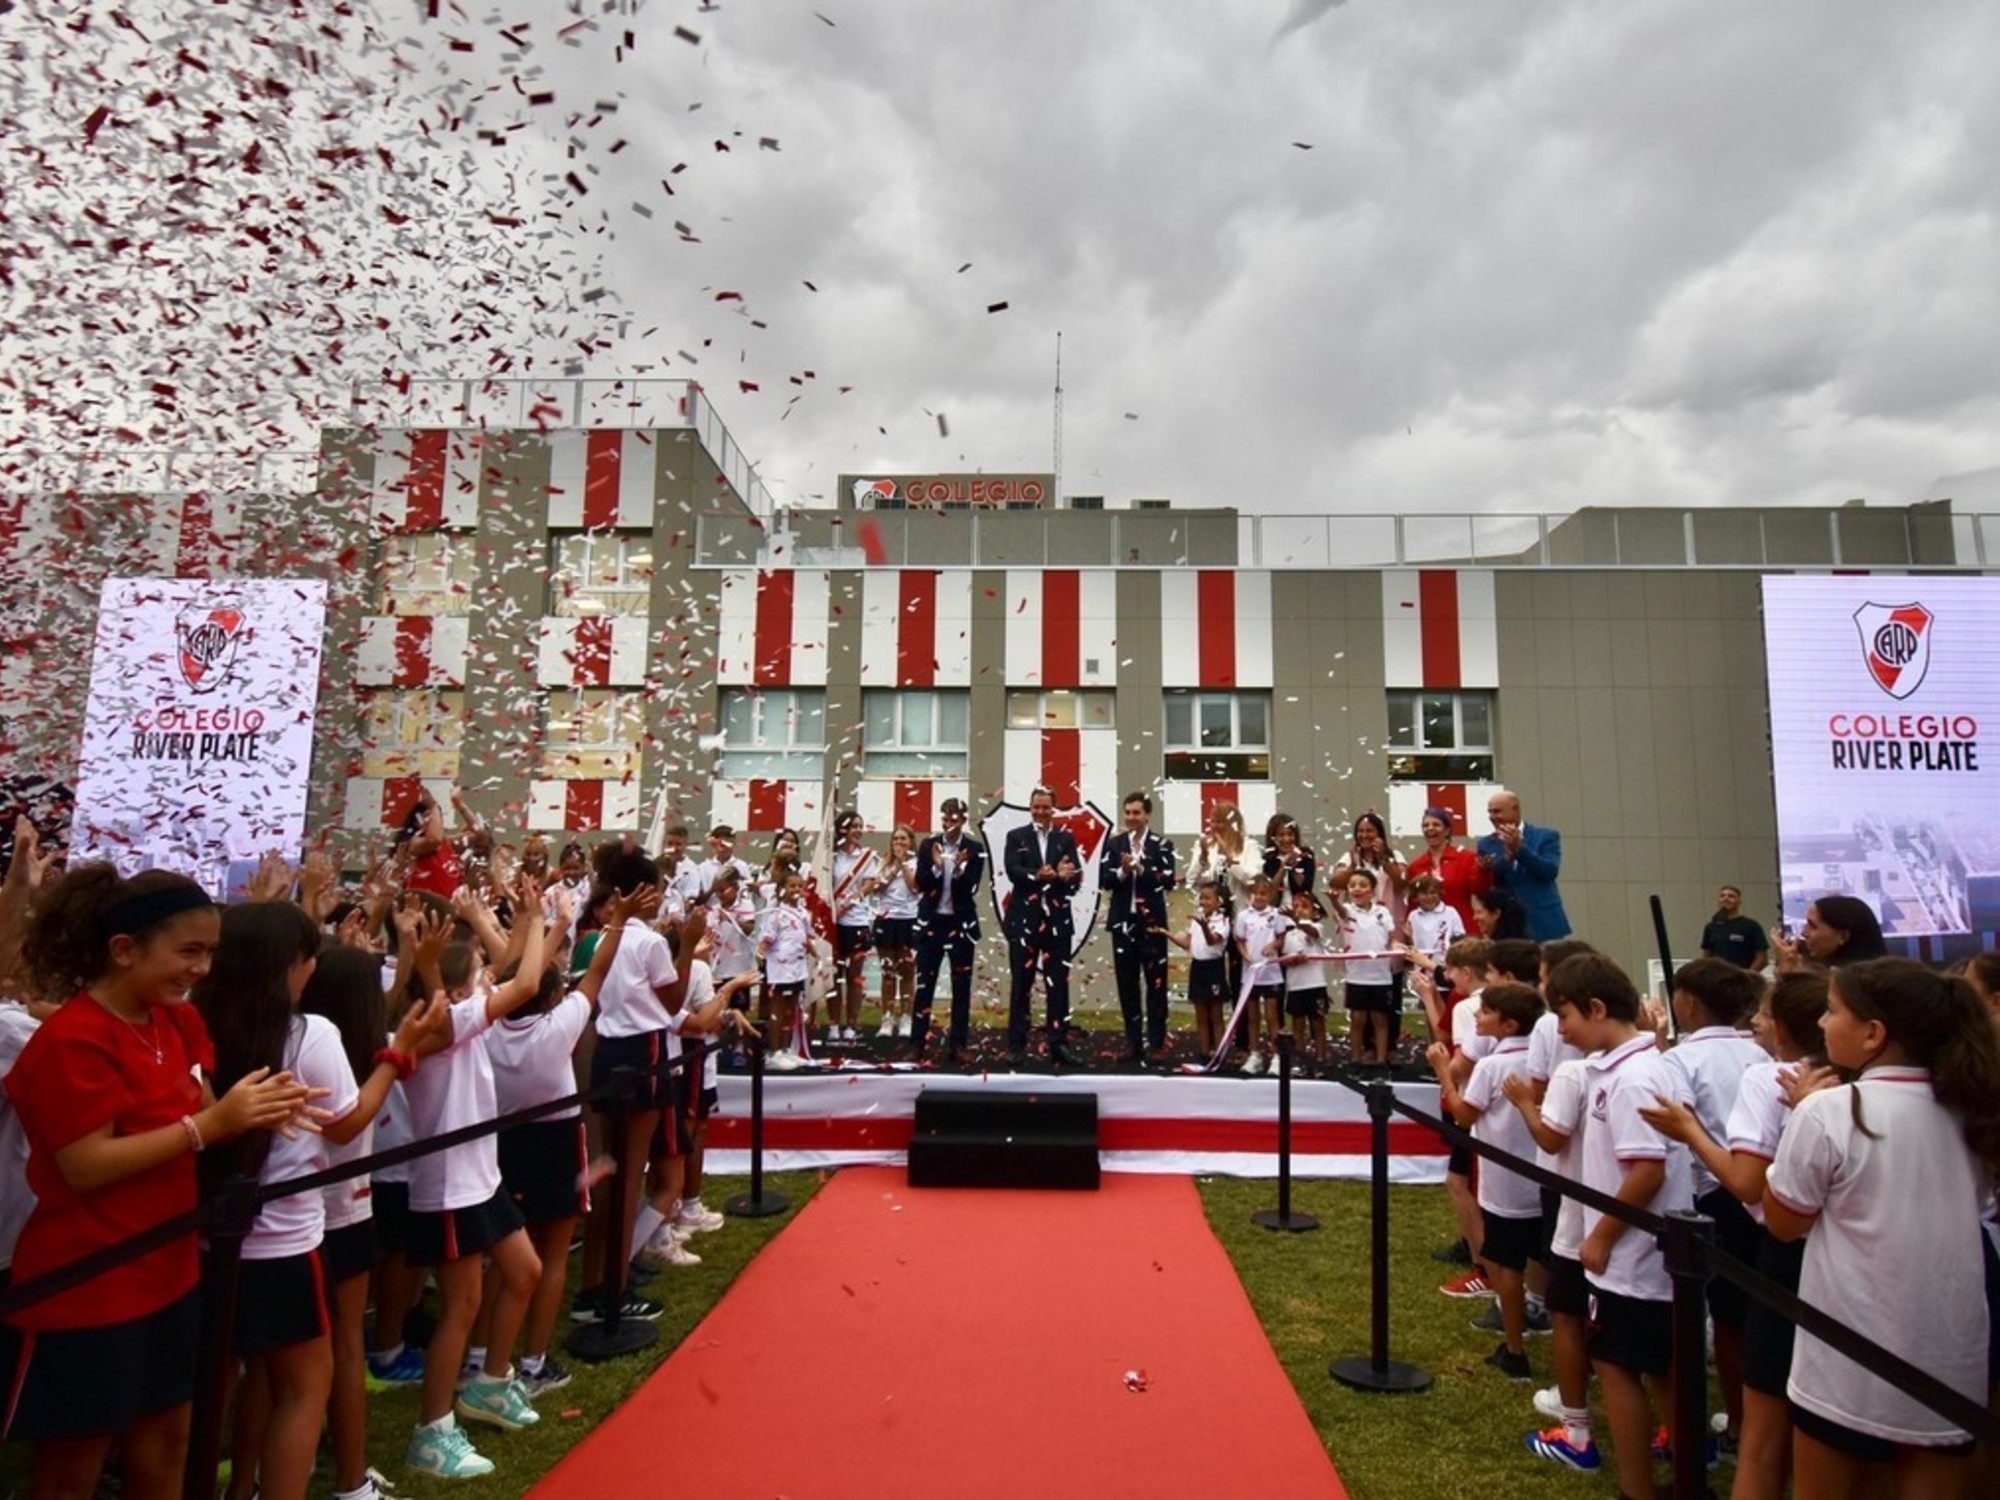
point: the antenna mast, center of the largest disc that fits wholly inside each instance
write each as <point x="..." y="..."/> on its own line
<point x="1058" y="445"/>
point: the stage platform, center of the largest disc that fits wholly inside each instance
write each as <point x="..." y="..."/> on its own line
<point x="1148" y="1122"/>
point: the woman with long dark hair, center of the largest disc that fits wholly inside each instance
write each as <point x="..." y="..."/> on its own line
<point x="1838" y="930"/>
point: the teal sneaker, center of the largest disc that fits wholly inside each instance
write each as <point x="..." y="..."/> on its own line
<point x="446" y="1452"/>
<point x="498" y="1403"/>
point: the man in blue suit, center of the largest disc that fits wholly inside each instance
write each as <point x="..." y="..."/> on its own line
<point x="1524" y="861"/>
<point x="949" y="866"/>
<point x="1046" y="870"/>
<point x="1137" y="867"/>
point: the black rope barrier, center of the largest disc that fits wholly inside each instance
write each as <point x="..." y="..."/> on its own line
<point x="1688" y="1244"/>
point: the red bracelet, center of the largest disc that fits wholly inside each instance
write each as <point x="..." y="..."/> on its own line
<point x="405" y="1063"/>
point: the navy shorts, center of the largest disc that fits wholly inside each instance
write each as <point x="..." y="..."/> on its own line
<point x="1865" y="1446"/>
<point x="350" y="1251"/>
<point x="1208" y="982"/>
<point x="1736" y="1234"/>
<point x="1634" y="1333"/>
<point x="646" y="1055"/>
<point x="282" y="1302"/>
<point x="391" y="1203"/>
<point x="541" y="1165"/>
<point x="1310" y="1002"/>
<point x="1506" y="1242"/>
<point x="1371" y="999"/>
<point x="1568" y="1292"/>
<point x="895" y="933"/>
<point x="1768" y="1335"/>
<point x="86" y="1382"/>
<point x="849" y="941"/>
<point x="453" y="1234"/>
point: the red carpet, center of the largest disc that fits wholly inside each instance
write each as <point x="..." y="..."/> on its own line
<point x="902" y="1343"/>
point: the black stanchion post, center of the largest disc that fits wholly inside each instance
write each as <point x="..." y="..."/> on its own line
<point x="756" y="1204"/>
<point x="614" y="1334"/>
<point x="1685" y="1242"/>
<point x="1282" y="1216"/>
<point x="1378" y="1372"/>
<point x="232" y="1209"/>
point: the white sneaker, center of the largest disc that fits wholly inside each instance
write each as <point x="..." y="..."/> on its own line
<point x="847" y="1033"/>
<point x="903" y="1026"/>
<point x="678" y="1253"/>
<point x="1253" y="1064"/>
<point x="695" y="1219"/>
<point x="888" y="1026"/>
<point x="1549" y="1403"/>
<point x="786" y="1061"/>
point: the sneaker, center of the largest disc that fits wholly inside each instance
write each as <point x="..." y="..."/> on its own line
<point x="381" y="1482"/>
<point x="696" y="1219"/>
<point x="407" y="1368"/>
<point x="903" y="1026"/>
<point x="1536" y="1320"/>
<point x="498" y="1403"/>
<point x="832" y="1036"/>
<point x="1555" y="1446"/>
<point x="1253" y="1064"/>
<point x="446" y="1452"/>
<point x="1456" y="1254"/>
<point x="589" y="1307"/>
<point x="847" y="1033"/>
<point x="1549" y="1403"/>
<point x="1663" y="1449"/>
<point x="786" y="1061"/>
<point x="676" y="1253"/>
<point x="551" y="1377"/>
<point x="1507" y="1362"/>
<point x="888" y="1026"/>
<point x="1472" y="1284"/>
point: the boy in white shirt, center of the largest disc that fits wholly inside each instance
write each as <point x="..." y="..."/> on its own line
<point x="1260" y="939"/>
<point x="1713" y="1001"/>
<point x="1368" y="927"/>
<point x="1465" y="971"/>
<point x="1631" y="1335"/>
<point x="1510" y="1205"/>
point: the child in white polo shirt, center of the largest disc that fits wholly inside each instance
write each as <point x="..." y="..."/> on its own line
<point x="1510" y="1205"/>
<point x="1631" y="1336"/>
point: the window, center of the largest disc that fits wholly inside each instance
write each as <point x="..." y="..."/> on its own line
<point x="916" y="735"/>
<point x="1152" y="505"/>
<point x="1215" y="736"/>
<point x="1437" y="735"/>
<point x="427" y="573"/>
<point x="1061" y="708"/>
<point x="593" y="733"/>
<point x="1086" y="502"/>
<point x="412" y="731"/>
<point x="601" y="573"/>
<point x="773" y="734"/>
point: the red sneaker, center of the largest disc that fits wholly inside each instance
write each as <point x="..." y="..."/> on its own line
<point x="1472" y="1284"/>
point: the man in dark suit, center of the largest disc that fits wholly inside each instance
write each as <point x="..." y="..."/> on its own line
<point x="1137" y="867"/>
<point x="949" y="867"/>
<point x="1524" y="861"/>
<point x="1043" y="864"/>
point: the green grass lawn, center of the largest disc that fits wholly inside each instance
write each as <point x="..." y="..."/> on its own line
<point x="1460" y="1438"/>
<point x="1463" y="1436"/>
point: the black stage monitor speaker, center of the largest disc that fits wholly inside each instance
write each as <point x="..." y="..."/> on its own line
<point x="987" y="1138"/>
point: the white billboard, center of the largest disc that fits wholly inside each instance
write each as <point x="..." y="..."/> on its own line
<point x="1881" y="691"/>
<point x="197" y="738"/>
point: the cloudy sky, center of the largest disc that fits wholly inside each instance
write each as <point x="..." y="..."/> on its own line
<point x="1302" y="256"/>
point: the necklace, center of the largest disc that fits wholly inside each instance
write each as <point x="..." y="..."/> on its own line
<point x="148" y="1035"/>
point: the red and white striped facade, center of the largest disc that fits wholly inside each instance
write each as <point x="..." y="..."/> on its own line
<point x="1062" y="628"/>
<point x="1216" y="623"/>
<point x="771" y="627"/>
<point x="1440" y="629"/>
<point x="593" y="651"/>
<point x="582" y="804"/>
<point x="603" y="479"/>
<point x="378" y="802"/>
<point x="760" y="806"/>
<point x="884" y="804"/>
<point x="916" y="628"/>
<point x="411" y="651"/>
<point x="427" y="479"/>
<point x="1076" y="764"/>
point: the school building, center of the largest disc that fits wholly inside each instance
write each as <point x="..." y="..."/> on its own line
<point x="575" y="600"/>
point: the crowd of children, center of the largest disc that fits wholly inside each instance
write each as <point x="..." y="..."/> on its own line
<point x="154" y="1040"/>
<point x="1840" y="1128"/>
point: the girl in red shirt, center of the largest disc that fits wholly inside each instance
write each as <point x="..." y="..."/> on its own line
<point x="113" y="1098"/>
